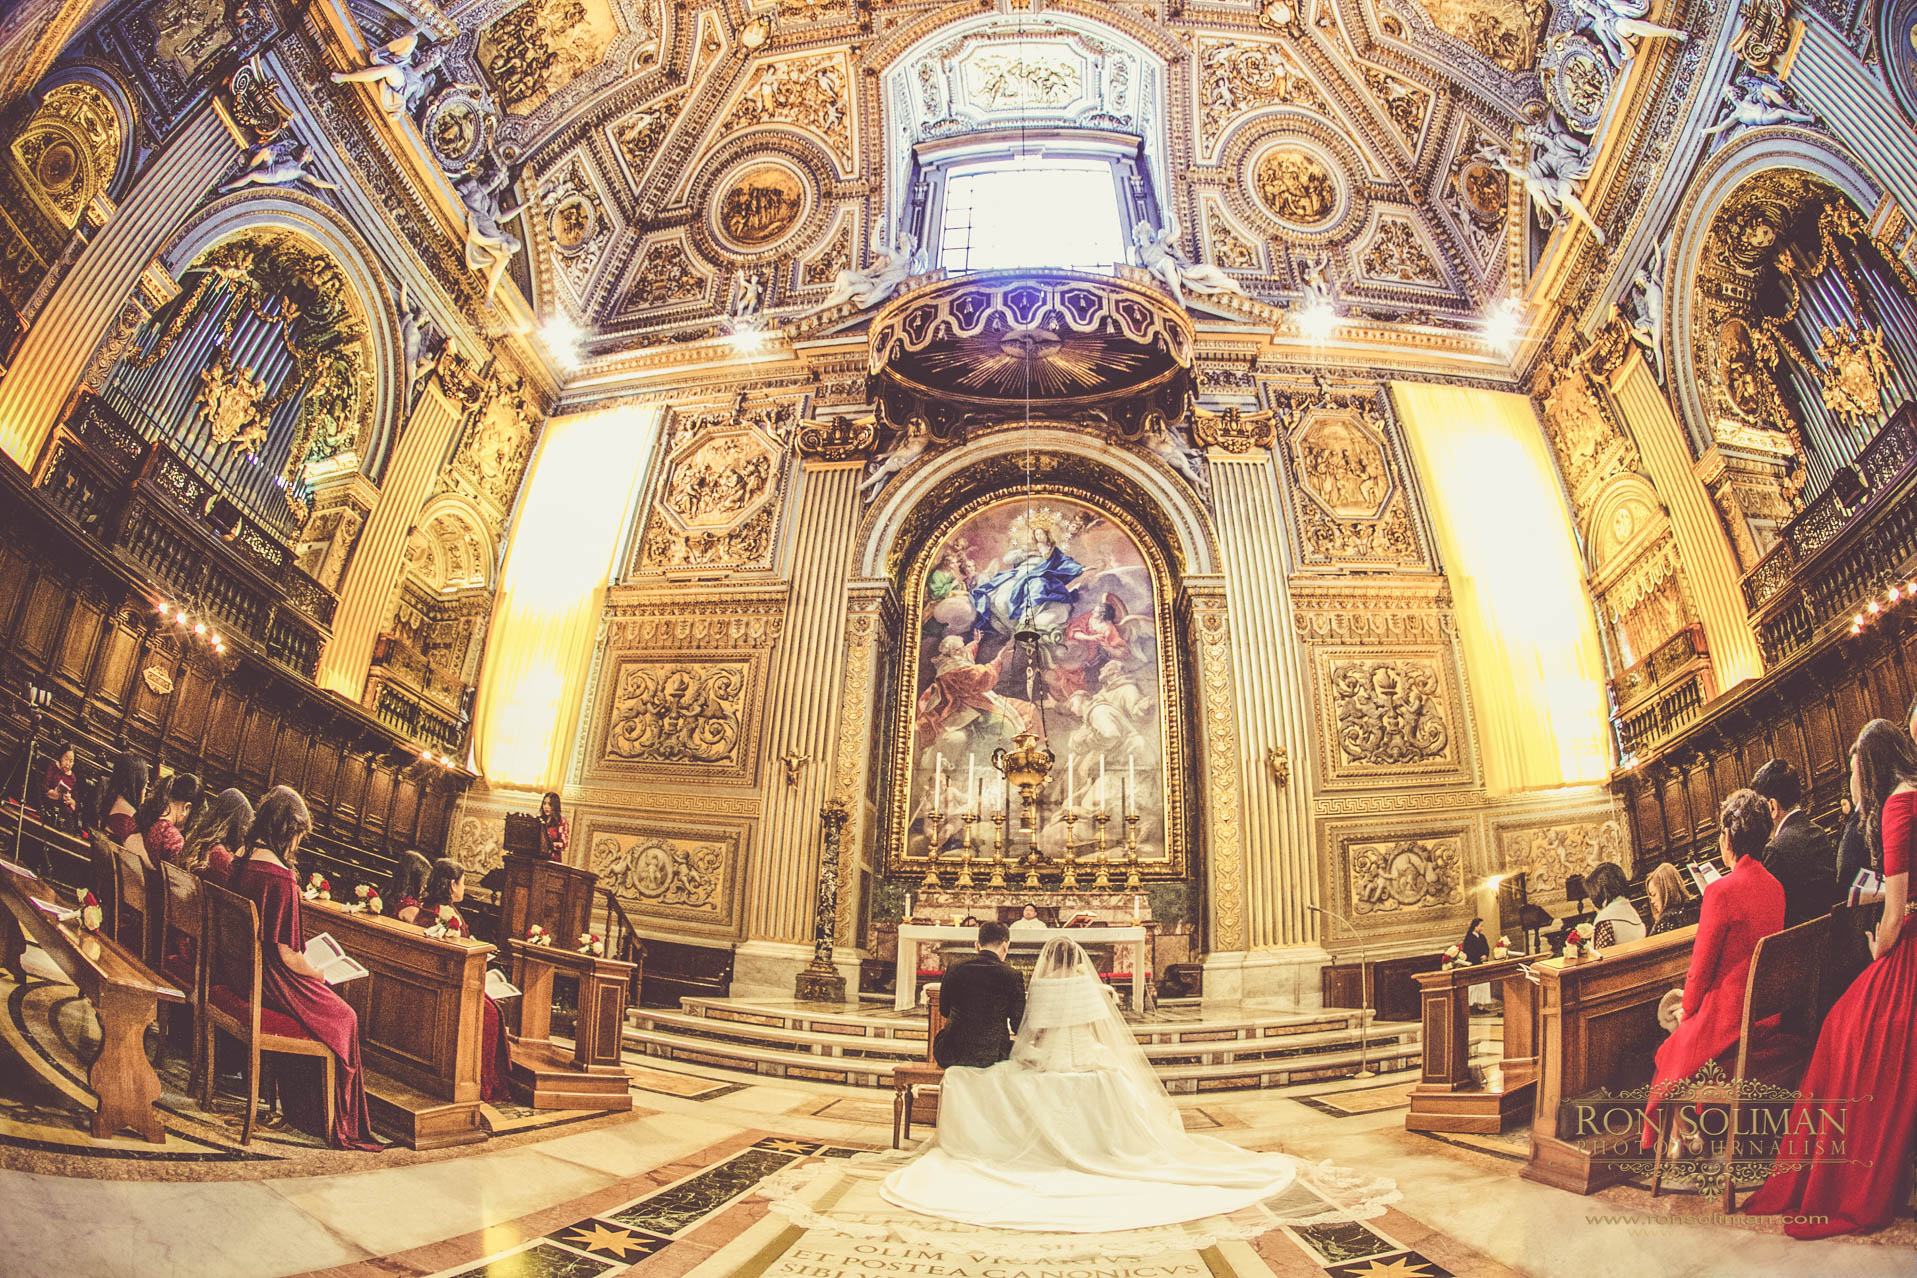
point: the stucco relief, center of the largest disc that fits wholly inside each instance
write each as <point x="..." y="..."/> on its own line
<point x="662" y="870"/>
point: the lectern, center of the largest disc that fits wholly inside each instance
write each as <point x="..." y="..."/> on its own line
<point x="556" y="896"/>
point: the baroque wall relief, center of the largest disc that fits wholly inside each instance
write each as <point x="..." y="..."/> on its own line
<point x="811" y="92"/>
<point x="1403" y="877"/>
<point x="1344" y="473"/>
<point x="1508" y="32"/>
<point x="1547" y="854"/>
<point x="719" y="497"/>
<point x="684" y="875"/>
<point x="578" y="224"/>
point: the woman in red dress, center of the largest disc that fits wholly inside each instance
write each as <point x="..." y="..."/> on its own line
<point x="1740" y="909"/>
<point x="555" y="834"/>
<point x="211" y="838"/>
<point x="266" y="873"/>
<point x="407" y="886"/>
<point x="160" y="817"/>
<point x="56" y="787"/>
<point x="124" y="794"/>
<point x="1861" y="1069"/>
<point x="444" y="891"/>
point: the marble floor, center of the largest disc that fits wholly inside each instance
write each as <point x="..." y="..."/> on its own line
<point x="670" y="1191"/>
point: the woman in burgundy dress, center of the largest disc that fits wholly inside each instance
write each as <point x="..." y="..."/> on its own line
<point x="166" y="809"/>
<point x="267" y="874"/>
<point x="125" y="792"/>
<point x="214" y="834"/>
<point x="447" y="888"/>
<point x="1862" y="1062"/>
<point x="407" y="886"/>
<point x="1740" y="909"/>
<point x="555" y="835"/>
<point x="56" y="787"/>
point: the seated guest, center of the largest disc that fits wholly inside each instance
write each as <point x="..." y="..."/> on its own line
<point x="1027" y="920"/>
<point x="215" y="834"/>
<point x="408" y="885"/>
<point x="1798" y="855"/>
<point x="1617" y="919"/>
<point x="555" y="835"/>
<point x="166" y="809"/>
<point x="447" y="887"/>
<point x="1740" y="909"/>
<point x="120" y="802"/>
<point x="266" y="872"/>
<point x="1670" y="901"/>
<point x="56" y="787"/>
<point x="1853" y="923"/>
<point x="982" y="998"/>
<point x="1856" y="1175"/>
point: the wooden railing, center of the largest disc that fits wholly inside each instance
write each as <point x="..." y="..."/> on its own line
<point x="623" y="941"/>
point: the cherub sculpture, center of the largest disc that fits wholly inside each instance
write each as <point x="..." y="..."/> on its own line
<point x="918" y="438"/>
<point x="1754" y="102"/>
<point x="1159" y="254"/>
<point x="1557" y="164"/>
<point x="489" y="246"/>
<point x="276" y="164"/>
<point x="1617" y="26"/>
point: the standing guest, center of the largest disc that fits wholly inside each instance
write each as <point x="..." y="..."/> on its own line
<point x="408" y="885"/>
<point x="125" y="792"/>
<point x="446" y="886"/>
<point x="1798" y="855"/>
<point x="215" y="834"/>
<point x="555" y="835"/>
<point x="1671" y="905"/>
<point x="1864" y="1050"/>
<point x="1617" y="919"/>
<point x="267" y="873"/>
<point x="1476" y="948"/>
<point x="56" y="787"/>
<point x="1740" y="909"/>
<point x="166" y="809"/>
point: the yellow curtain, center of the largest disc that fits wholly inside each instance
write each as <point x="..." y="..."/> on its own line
<point x="1524" y="615"/>
<point x="578" y="499"/>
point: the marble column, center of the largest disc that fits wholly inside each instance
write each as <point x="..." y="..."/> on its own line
<point x="368" y="583"/>
<point x="1710" y="564"/>
<point x="54" y="354"/>
<point x="1273" y="708"/>
<point x="802" y="720"/>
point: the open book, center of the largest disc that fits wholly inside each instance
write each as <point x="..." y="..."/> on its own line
<point x="1866" y="888"/>
<point x="335" y="965"/>
<point x="59" y="914"/>
<point x="1705" y="873"/>
<point x="498" y="987"/>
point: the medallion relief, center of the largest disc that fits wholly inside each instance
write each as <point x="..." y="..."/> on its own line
<point x="1395" y="876"/>
<point x="1296" y="187"/>
<point x="666" y="871"/>
<point x="759" y="205"/>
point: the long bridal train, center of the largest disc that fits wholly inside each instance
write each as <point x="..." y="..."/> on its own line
<point x="1075" y="1135"/>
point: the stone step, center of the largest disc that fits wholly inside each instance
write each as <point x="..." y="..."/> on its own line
<point x="1202" y="1045"/>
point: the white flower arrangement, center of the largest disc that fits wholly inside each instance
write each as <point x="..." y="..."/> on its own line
<point x="590" y="943"/>
<point x="537" y="935"/>
<point x="317" y="888"/>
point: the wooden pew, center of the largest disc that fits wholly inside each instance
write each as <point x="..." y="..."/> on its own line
<point x="590" y="1076"/>
<point x="421" y="1023"/>
<point x="125" y="994"/>
<point x="1598" y="1032"/>
<point x="1450" y="1097"/>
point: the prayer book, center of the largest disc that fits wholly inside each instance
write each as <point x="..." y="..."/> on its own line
<point x="335" y="965"/>
<point x="498" y="987"/>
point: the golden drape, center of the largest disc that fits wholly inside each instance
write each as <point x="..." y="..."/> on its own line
<point x="1524" y="614"/>
<point x="578" y="499"/>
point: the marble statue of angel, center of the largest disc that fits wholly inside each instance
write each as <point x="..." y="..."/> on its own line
<point x="416" y="354"/>
<point x="1162" y="440"/>
<point x="1617" y="26"/>
<point x="1753" y="102"/>
<point x="489" y="245"/>
<point x="274" y="165"/>
<point x="401" y="76"/>
<point x="1647" y="305"/>
<point x="1557" y="164"/>
<point x="918" y="438"/>
<point x="1159" y="254"/>
<point x="890" y="268"/>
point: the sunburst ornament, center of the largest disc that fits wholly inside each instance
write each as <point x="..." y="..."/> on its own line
<point x="1408" y="1265"/>
<point x="1057" y="525"/>
<point x="607" y="1241"/>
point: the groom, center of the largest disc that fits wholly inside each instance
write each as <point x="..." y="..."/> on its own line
<point x="982" y="999"/>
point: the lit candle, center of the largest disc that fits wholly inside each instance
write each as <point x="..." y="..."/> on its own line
<point x="1071" y="777"/>
<point x="1101" y="783"/>
<point x="1131" y="784"/>
<point x="938" y="782"/>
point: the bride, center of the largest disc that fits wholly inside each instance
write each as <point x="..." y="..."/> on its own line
<point x="1075" y="1133"/>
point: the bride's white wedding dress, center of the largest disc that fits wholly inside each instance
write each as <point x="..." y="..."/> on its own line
<point x="1075" y="1133"/>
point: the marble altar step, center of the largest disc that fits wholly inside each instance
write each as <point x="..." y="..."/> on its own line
<point x="1261" y="1048"/>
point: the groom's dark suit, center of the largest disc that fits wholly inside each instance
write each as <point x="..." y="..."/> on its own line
<point x="982" y="998"/>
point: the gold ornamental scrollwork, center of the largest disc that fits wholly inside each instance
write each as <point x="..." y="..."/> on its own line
<point x="837" y="439"/>
<point x="1224" y="845"/>
<point x="1234" y="430"/>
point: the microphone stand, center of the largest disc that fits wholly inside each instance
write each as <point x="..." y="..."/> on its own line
<point x="37" y="700"/>
<point x="1364" y="995"/>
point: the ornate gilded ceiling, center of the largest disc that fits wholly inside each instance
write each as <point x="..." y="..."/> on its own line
<point x="674" y="152"/>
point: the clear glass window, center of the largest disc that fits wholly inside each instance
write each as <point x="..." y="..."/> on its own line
<point x="1031" y="212"/>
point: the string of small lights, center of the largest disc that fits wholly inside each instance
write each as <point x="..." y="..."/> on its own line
<point x="1894" y="594"/>
<point x="192" y="623"/>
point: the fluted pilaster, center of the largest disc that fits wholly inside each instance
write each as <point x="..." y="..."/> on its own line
<point x="370" y="575"/>
<point x="1218" y="795"/>
<point x="53" y="356"/>
<point x="1271" y="693"/>
<point x="802" y="718"/>
<point x="1710" y="565"/>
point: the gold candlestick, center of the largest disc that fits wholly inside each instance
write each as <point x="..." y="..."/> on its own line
<point x="1032" y="861"/>
<point x="998" y="850"/>
<point x="931" y="879"/>
<point x="964" y="881"/>
<point x="1132" y="883"/>
<point x="1102" y="880"/>
<point x="1068" y="880"/>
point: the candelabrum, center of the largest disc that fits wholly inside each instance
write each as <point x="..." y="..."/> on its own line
<point x="1068" y="877"/>
<point x="998" y="851"/>
<point x="1102" y="879"/>
<point x="964" y="881"/>
<point x="1132" y="883"/>
<point x="931" y="879"/>
<point x="1032" y="861"/>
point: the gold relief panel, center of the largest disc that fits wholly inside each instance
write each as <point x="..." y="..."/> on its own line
<point x="679" y="716"/>
<point x="687" y="876"/>
<point x="1237" y="76"/>
<point x="1297" y="186"/>
<point x="758" y="205"/>
<point x="812" y="92"/>
<point x="1388" y="718"/>
<point x="533" y="51"/>
<point x="1549" y="852"/>
<point x="69" y="150"/>
<point x="1506" y="31"/>
<point x="1345" y="488"/>
<point x="719" y="500"/>
<point x="1390" y="878"/>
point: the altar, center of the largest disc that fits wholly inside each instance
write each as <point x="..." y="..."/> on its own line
<point x="911" y="935"/>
